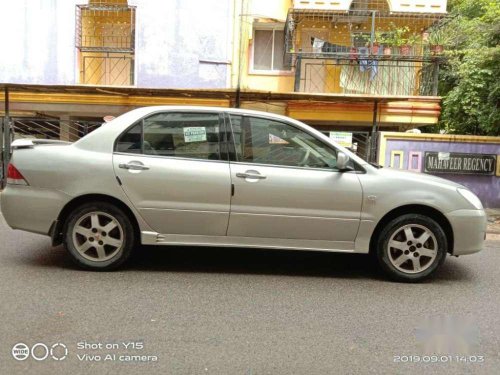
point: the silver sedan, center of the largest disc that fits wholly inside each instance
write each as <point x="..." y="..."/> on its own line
<point x="226" y="177"/>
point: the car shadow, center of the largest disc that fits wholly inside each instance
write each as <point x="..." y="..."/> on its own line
<point x="275" y="262"/>
<point x="251" y="261"/>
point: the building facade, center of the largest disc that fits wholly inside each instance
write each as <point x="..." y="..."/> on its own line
<point x="350" y="68"/>
<point x="355" y="66"/>
<point x="359" y="47"/>
<point x="138" y="43"/>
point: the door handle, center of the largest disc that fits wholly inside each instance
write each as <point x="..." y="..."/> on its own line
<point x="135" y="167"/>
<point x="254" y="175"/>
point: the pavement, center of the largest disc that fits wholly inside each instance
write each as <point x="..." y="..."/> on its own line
<point x="493" y="230"/>
<point x="184" y="310"/>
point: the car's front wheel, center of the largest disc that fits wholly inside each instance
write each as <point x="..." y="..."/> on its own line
<point x="99" y="236"/>
<point x="411" y="247"/>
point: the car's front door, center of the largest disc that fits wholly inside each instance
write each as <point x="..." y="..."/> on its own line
<point x="172" y="169"/>
<point x="286" y="185"/>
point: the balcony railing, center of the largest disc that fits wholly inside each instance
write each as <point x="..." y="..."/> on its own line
<point x="366" y="28"/>
<point x="105" y="27"/>
<point x="367" y="75"/>
<point x="410" y="6"/>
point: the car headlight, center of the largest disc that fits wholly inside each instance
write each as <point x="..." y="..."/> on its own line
<point x="471" y="198"/>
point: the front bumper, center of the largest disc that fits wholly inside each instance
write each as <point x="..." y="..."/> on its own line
<point x="31" y="209"/>
<point x="469" y="230"/>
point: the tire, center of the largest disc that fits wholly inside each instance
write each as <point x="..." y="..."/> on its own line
<point x="101" y="244"/>
<point x="411" y="247"/>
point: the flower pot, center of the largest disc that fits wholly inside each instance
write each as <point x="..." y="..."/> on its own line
<point x="437" y="49"/>
<point x="405" y="50"/>
<point x="353" y="53"/>
<point x="387" y="51"/>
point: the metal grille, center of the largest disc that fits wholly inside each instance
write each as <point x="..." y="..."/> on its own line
<point x="105" y="26"/>
<point x="368" y="76"/>
<point x="44" y="128"/>
<point x="368" y="27"/>
<point x="37" y="127"/>
<point x="109" y="69"/>
<point x="105" y="38"/>
<point x="361" y="143"/>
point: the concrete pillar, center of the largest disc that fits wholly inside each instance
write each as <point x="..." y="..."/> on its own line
<point x="67" y="129"/>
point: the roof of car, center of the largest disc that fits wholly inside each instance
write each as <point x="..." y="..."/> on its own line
<point x="151" y="109"/>
<point x="144" y="111"/>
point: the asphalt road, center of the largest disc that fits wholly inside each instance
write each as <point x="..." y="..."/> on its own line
<point x="236" y="311"/>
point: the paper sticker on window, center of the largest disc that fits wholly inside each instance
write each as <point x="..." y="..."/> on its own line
<point x="275" y="140"/>
<point x="195" y="134"/>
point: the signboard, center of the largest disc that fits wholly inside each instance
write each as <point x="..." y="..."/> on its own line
<point x="458" y="163"/>
<point x="195" y="134"/>
<point x="342" y="138"/>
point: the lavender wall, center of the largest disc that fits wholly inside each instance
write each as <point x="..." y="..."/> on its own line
<point x="183" y="43"/>
<point x="37" y="38"/>
<point x="487" y="188"/>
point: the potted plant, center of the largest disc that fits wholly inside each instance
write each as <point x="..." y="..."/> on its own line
<point x="411" y="41"/>
<point x="400" y="40"/>
<point x="353" y="53"/>
<point x="385" y="39"/>
<point x="366" y="39"/>
<point x="375" y="47"/>
<point x="437" y="39"/>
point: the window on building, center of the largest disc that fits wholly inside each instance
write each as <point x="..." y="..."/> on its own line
<point x="105" y="41"/>
<point x="268" y="48"/>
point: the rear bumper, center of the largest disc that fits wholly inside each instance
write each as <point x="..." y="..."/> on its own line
<point x="31" y="209"/>
<point x="469" y="230"/>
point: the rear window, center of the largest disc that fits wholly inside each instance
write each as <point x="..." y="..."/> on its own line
<point x="186" y="135"/>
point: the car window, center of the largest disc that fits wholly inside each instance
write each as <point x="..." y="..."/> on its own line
<point x="131" y="140"/>
<point x="263" y="141"/>
<point x="188" y="135"/>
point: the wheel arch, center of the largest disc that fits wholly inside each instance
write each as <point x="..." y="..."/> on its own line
<point x="57" y="227"/>
<point x="431" y="212"/>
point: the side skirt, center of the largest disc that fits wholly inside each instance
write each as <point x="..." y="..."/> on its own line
<point x="153" y="238"/>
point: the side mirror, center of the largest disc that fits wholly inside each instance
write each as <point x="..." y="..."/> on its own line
<point x="342" y="161"/>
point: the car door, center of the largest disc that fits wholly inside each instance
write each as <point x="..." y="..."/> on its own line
<point x="286" y="184"/>
<point x="171" y="167"/>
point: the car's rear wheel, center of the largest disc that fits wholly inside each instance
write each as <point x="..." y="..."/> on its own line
<point x="99" y="236"/>
<point x="411" y="247"/>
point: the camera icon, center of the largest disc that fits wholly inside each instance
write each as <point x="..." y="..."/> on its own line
<point x="40" y="351"/>
<point x="20" y="351"/>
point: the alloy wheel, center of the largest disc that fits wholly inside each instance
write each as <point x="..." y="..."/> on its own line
<point x="412" y="248"/>
<point x="97" y="236"/>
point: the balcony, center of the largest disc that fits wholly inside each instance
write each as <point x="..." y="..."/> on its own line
<point x="107" y="26"/>
<point x="367" y="76"/>
<point x="364" y="47"/>
<point x="403" y="6"/>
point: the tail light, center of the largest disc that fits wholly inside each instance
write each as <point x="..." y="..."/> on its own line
<point x="14" y="177"/>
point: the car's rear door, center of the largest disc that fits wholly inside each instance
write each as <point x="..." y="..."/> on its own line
<point x="286" y="185"/>
<point x="173" y="168"/>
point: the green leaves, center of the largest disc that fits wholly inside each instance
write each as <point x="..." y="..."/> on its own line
<point x="470" y="80"/>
